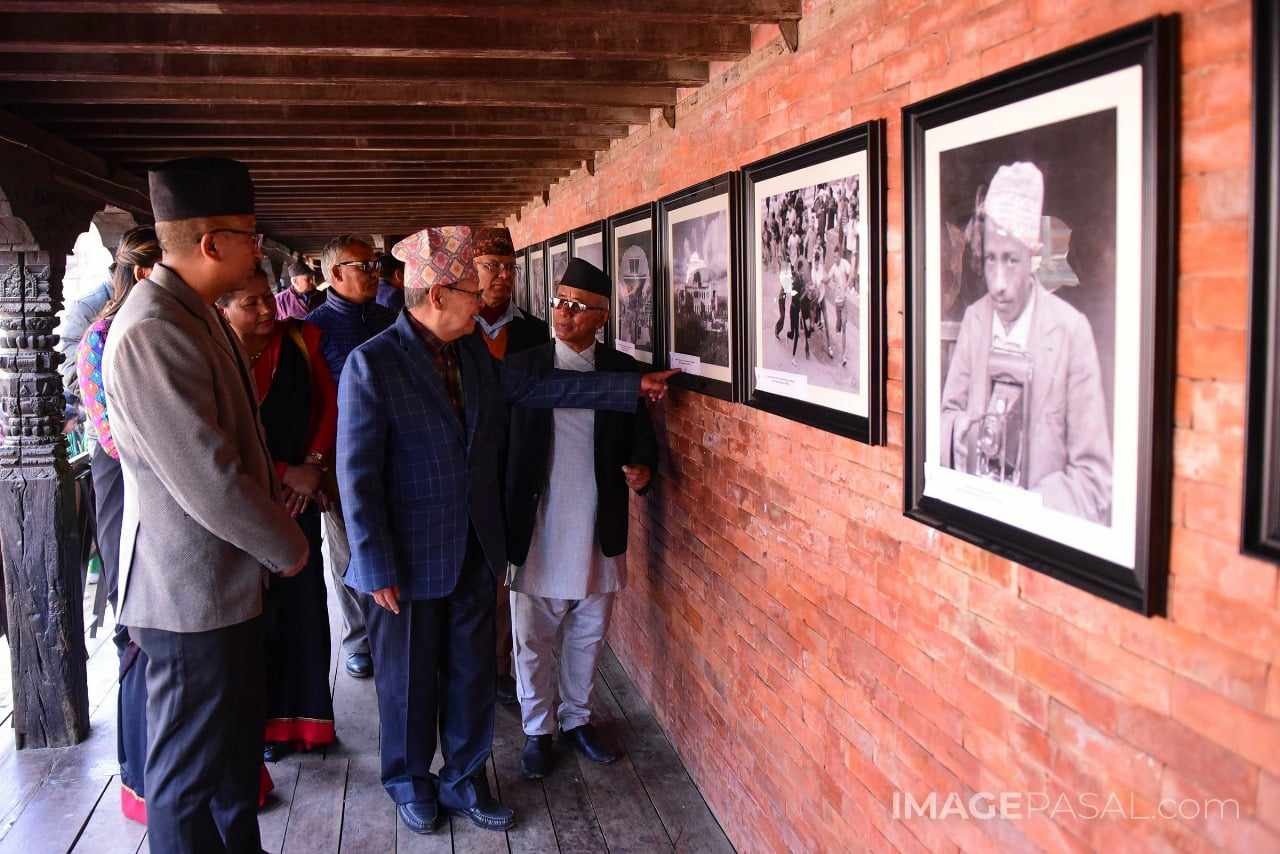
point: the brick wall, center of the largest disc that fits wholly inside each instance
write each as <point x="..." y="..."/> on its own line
<point x="808" y="649"/>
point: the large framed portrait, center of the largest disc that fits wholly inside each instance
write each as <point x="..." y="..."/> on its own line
<point x="631" y="239"/>
<point x="588" y="244"/>
<point x="557" y="263"/>
<point x="700" y="281"/>
<point x="537" y="280"/>
<point x="1040" y="249"/>
<point x="813" y="296"/>
<point x="520" y="281"/>
<point x="1261" y="517"/>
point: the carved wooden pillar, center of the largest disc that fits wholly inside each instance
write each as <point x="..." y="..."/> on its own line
<point x="38" y="528"/>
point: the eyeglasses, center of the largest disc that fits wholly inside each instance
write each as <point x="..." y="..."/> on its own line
<point x="366" y="266"/>
<point x="475" y="295"/>
<point x="255" y="236"/>
<point x="493" y="268"/>
<point x="573" y="306"/>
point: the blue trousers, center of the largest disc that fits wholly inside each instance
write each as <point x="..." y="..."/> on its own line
<point x="433" y="665"/>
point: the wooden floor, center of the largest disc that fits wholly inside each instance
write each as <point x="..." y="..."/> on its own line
<point x="69" y="799"/>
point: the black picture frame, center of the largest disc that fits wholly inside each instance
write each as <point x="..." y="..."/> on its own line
<point x="1260" y="528"/>
<point x="726" y="386"/>
<point x="866" y="138"/>
<point x="588" y="235"/>
<point x="632" y="218"/>
<point x="537" y="304"/>
<point x="520" y="283"/>
<point x="554" y="244"/>
<point x="1151" y="47"/>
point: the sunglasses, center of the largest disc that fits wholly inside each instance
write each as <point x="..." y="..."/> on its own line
<point x="366" y="266"/>
<point x="573" y="306"/>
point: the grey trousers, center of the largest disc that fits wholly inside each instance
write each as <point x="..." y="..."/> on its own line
<point x="544" y="629"/>
<point x="355" y="638"/>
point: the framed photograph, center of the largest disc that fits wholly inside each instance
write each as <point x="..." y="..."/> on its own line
<point x="537" y="274"/>
<point x="630" y="236"/>
<point x="557" y="262"/>
<point x="699" y="281"/>
<point x="813" y="288"/>
<point x="520" y="286"/>
<point x="588" y="244"/>
<point x="1040" y="247"/>
<point x="1261" y="517"/>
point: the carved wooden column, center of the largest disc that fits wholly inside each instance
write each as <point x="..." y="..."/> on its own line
<point x="38" y="530"/>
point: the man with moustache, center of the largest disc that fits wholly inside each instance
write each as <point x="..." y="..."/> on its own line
<point x="184" y="418"/>
<point x="1068" y="460"/>
<point x="568" y="473"/>
<point x="505" y="329"/>
<point x="349" y="316"/>
<point x="422" y="423"/>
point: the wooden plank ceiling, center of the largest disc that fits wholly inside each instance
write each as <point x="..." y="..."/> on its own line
<point x="364" y="115"/>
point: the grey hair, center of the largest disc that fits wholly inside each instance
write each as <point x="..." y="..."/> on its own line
<point x="414" y="297"/>
<point x="334" y="248"/>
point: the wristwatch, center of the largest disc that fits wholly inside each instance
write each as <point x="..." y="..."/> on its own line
<point x="315" y="458"/>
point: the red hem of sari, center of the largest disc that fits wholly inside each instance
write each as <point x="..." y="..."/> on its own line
<point x="134" y="806"/>
<point x="304" y="733"/>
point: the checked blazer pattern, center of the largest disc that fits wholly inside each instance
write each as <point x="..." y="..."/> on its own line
<point x="412" y="474"/>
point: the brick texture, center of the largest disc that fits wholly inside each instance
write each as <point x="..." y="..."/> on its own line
<point x="811" y="652"/>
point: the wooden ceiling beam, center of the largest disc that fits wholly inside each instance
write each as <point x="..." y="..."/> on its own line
<point x="566" y="147"/>
<point x="669" y="11"/>
<point x="502" y="160"/>
<point x="616" y="37"/>
<point x="304" y="114"/>
<point x="221" y="69"/>
<point x="340" y="95"/>
<point x="364" y="130"/>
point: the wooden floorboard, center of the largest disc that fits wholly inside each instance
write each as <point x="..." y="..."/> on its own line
<point x="315" y="819"/>
<point x="273" y="818"/>
<point x="627" y="817"/>
<point x="534" y="830"/>
<point x="688" y="821"/>
<point x="108" y="831"/>
<point x="332" y="801"/>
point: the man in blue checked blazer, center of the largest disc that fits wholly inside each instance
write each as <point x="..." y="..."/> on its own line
<point x="422" y="432"/>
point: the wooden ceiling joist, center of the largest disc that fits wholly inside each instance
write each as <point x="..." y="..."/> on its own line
<point x="359" y="115"/>
<point x="616" y="37"/>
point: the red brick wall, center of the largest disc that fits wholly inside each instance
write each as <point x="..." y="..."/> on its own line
<point x="808" y="649"/>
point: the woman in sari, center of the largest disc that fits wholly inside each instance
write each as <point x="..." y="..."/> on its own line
<point x="299" y="409"/>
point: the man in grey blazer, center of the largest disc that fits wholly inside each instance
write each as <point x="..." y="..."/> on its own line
<point x="202" y="522"/>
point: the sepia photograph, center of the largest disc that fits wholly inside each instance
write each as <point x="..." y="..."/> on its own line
<point x="588" y="244"/>
<point x="633" y="285"/>
<point x="1031" y="301"/>
<point x="814" y="260"/>
<point x="538" y="282"/>
<point x="520" y="289"/>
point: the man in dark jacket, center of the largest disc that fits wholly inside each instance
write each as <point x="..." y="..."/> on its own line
<point x="505" y="330"/>
<point x="349" y="317"/>
<point x="568" y="475"/>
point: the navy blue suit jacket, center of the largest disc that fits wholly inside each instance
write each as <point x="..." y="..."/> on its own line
<point x="412" y="474"/>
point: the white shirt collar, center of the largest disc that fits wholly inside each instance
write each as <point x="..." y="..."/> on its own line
<point x="1015" y="337"/>
<point x="569" y="359"/>
<point x="492" y="329"/>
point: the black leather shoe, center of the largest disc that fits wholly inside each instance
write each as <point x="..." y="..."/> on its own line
<point x="488" y="815"/>
<point x="506" y="690"/>
<point x="587" y="742"/>
<point x="360" y="665"/>
<point x="419" y="816"/>
<point x="537" y="757"/>
<point x="274" y="751"/>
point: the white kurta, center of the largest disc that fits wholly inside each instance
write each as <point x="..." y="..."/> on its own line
<point x="565" y="561"/>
